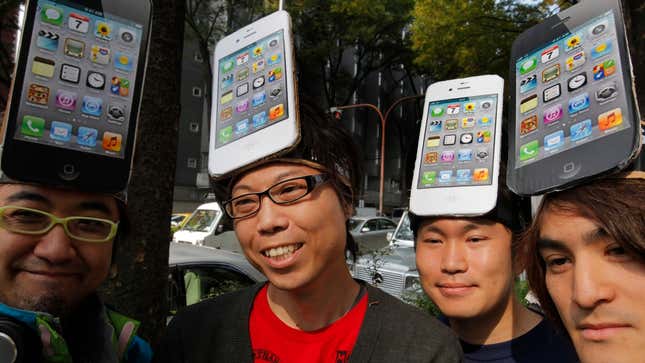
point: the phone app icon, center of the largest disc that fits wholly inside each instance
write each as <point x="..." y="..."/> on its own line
<point x="227" y="81"/>
<point x="242" y="74"/>
<point x="452" y="124"/>
<point x="606" y="93"/>
<point x="431" y="157"/>
<point x="127" y="36"/>
<point x="573" y="42"/>
<point x="450" y="139"/>
<point x="577" y="81"/>
<point x="38" y="94"/>
<point x="604" y="69"/>
<point x="528" y="83"/>
<point x="258" y="66"/>
<point x="78" y="22"/>
<point x="43" y="67"/>
<point x="466" y="138"/>
<point x="66" y="100"/>
<point x="528" y="125"/>
<point x="226" y="113"/>
<point x="116" y="113"/>
<point x="225" y="135"/>
<point x="469" y="107"/>
<point x="551" y="73"/>
<point x="434" y="126"/>
<point x="60" y="131"/>
<point x="484" y="121"/>
<point x="445" y="176"/>
<point x="242" y="59"/>
<point x="259" y="99"/>
<point x="32" y="126"/>
<point x="552" y="114"/>
<point x="274" y="59"/>
<point x="103" y="30"/>
<point x="226" y="97"/>
<point x="123" y="61"/>
<point x="259" y="119"/>
<point x="111" y="141"/>
<point x="529" y="150"/>
<point x="551" y="93"/>
<point x="465" y="155"/>
<point x="528" y="65"/>
<point x="242" y="106"/>
<point x="87" y="136"/>
<point x="579" y="103"/>
<point x="467" y="122"/>
<point x="227" y="65"/>
<point x="242" y="127"/>
<point x="453" y="109"/>
<point x="258" y="51"/>
<point x="51" y="15"/>
<point x="429" y="177"/>
<point x="433" y="141"/>
<point x="575" y="61"/>
<point x="529" y="103"/>
<point x="95" y="80"/>
<point x="480" y="174"/>
<point x="120" y="86"/>
<point x="242" y="89"/>
<point x="99" y="54"/>
<point x="482" y="154"/>
<point x="610" y="119"/>
<point x="92" y="106"/>
<point x="464" y="175"/>
<point x="550" y="54"/>
<point x="275" y="74"/>
<point x="581" y="130"/>
<point x="47" y="40"/>
<point x="258" y="82"/>
<point x="436" y="111"/>
<point x="275" y="92"/>
<point x="74" y="48"/>
<point x="554" y="140"/>
<point x="447" y="156"/>
<point x="601" y="49"/>
<point x="276" y="111"/>
<point x="483" y="137"/>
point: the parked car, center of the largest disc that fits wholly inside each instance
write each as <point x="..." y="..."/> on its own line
<point x="197" y="273"/>
<point x="370" y="232"/>
<point x="205" y="227"/>
<point x="393" y="268"/>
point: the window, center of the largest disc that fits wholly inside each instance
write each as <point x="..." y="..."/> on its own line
<point x="192" y="163"/>
<point x="197" y="92"/>
<point x="371" y="225"/>
<point x="205" y="282"/>
<point x="386" y="224"/>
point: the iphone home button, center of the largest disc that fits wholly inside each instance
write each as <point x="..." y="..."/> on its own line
<point x="69" y="172"/>
<point x="569" y="170"/>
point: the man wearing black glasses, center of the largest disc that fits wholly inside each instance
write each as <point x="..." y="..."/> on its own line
<point x="290" y="215"/>
<point x="56" y="248"/>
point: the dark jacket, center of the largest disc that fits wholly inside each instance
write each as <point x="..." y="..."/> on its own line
<point x="217" y="331"/>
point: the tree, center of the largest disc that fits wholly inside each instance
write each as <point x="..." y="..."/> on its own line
<point x="8" y="27"/>
<point x="138" y="282"/>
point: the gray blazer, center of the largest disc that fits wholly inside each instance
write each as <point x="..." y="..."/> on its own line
<point x="216" y="330"/>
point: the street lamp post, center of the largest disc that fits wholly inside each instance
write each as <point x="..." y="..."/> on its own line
<point x="383" y="120"/>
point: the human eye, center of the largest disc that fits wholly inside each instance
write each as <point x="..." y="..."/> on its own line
<point x="20" y="216"/>
<point x="617" y="251"/>
<point x="289" y="190"/>
<point x="476" y="238"/>
<point x="556" y="263"/>
<point x="245" y="203"/>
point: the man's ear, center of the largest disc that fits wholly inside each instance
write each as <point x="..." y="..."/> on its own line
<point x="348" y="210"/>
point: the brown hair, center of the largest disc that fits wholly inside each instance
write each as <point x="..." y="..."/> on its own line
<point x="617" y="205"/>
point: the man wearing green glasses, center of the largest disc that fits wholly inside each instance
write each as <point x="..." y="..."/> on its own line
<point x="290" y="215"/>
<point x="56" y="248"/>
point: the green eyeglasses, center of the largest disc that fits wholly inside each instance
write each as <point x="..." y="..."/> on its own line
<point x="33" y="221"/>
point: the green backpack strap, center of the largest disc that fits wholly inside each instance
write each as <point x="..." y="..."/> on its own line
<point x="54" y="347"/>
<point x="125" y="330"/>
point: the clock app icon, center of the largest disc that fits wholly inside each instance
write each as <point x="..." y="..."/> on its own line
<point x="95" y="80"/>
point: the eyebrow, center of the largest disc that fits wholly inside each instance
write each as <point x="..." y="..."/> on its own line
<point x="276" y="179"/>
<point x="465" y="229"/>
<point x="596" y="235"/>
<point x="39" y="198"/>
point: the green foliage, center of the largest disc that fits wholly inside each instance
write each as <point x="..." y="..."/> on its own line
<point x="464" y="38"/>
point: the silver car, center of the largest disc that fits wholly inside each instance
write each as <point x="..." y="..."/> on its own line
<point x="393" y="268"/>
<point x="370" y="233"/>
<point x="197" y="273"/>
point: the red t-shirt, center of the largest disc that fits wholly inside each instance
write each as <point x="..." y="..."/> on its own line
<point x="274" y="341"/>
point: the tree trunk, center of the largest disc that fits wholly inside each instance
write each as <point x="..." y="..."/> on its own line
<point x="138" y="282"/>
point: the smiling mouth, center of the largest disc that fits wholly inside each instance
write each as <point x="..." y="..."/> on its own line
<point x="282" y="252"/>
